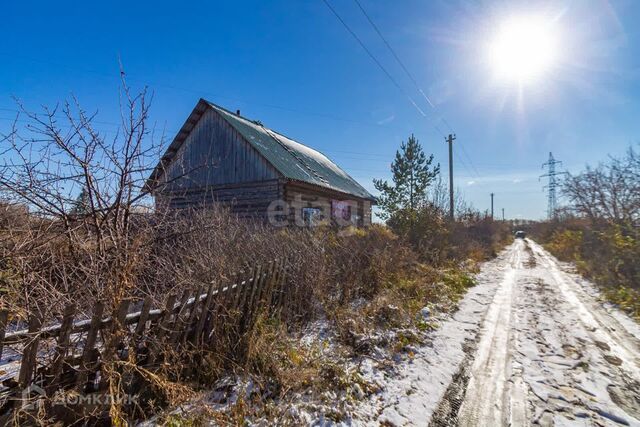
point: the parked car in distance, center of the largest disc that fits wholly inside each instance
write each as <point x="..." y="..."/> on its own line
<point x="520" y="234"/>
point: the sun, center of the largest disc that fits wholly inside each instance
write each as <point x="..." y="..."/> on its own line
<point x="523" y="49"/>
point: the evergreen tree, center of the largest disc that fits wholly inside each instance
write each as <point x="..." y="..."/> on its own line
<point x="81" y="205"/>
<point x="412" y="174"/>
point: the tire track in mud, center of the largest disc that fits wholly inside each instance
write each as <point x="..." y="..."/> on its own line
<point x="591" y="314"/>
<point x="597" y="386"/>
<point x="455" y="398"/>
<point x="545" y="354"/>
<point x="446" y="414"/>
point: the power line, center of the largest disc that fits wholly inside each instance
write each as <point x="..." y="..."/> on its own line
<point x="210" y="94"/>
<point x="378" y="63"/>
<point x="463" y="163"/>
<point x="395" y="55"/>
<point x="470" y="161"/>
<point x="412" y="78"/>
<point x="328" y="116"/>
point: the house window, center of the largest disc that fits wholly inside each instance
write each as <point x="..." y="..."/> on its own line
<point x="341" y="210"/>
<point x="311" y="216"/>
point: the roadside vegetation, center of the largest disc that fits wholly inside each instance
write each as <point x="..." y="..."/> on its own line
<point x="600" y="229"/>
<point x="75" y="227"/>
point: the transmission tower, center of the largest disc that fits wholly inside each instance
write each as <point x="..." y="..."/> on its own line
<point x="553" y="184"/>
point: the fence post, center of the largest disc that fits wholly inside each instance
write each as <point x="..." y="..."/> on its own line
<point x="277" y="291"/>
<point x="191" y="322"/>
<point x="144" y="317"/>
<point x="253" y="302"/>
<point x="90" y="342"/>
<point x="4" y="316"/>
<point x="161" y="328"/>
<point x="271" y="283"/>
<point x="63" y="344"/>
<point x="117" y="327"/>
<point x="179" y="325"/>
<point x="289" y="293"/>
<point x="203" y="314"/>
<point x="284" y="302"/>
<point x="249" y="295"/>
<point x="235" y="293"/>
<point x="28" y="364"/>
<point x="261" y="298"/>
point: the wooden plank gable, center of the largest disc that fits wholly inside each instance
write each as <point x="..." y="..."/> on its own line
<point x="213" y="154"/>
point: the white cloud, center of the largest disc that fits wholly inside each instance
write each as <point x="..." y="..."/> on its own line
<point x="387" y="120"/>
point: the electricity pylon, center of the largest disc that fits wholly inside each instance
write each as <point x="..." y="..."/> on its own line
<point x="553" y="184"/>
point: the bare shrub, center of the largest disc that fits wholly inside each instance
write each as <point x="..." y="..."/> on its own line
<point x="608" y="192"/>
<point x="84" y="193"/>
<point x="599" y="229"/>
<point x="90" y="236"/>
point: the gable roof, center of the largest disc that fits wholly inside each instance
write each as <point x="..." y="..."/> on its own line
<point x="292" y="159"/>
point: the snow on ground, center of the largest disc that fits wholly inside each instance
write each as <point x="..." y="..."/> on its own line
<point x="581" y="364"/>
<point x="532" y="343"/>
<point x="413" y="390"/>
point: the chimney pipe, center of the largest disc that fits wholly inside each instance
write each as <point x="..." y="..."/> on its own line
<point x="237" y="112"/>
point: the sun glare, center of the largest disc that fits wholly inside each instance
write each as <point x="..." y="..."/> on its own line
<point x="523" y="49"/>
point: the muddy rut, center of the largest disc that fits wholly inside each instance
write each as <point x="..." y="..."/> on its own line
<point x="547" y="353"/>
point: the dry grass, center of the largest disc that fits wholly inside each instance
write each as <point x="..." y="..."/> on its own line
<point x="361" y="280"/>
<point x="604" y="252"/>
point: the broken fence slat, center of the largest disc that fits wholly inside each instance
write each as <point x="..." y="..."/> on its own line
<point x="217" y="315"/>
<point x="196" y="314"/>
<point x="282" y="297"/>
<point x="263" y="285"/>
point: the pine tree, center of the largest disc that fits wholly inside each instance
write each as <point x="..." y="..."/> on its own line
<point x="81" y="205"/>
<point x="412" y="174"/>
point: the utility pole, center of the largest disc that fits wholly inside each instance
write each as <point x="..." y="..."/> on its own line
<point x="450" y="140"/>
<point x="553" y="184"/>
<point x="503" y="214"/>
<point x="491" y="205"/>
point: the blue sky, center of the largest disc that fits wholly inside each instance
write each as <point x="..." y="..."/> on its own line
<point x="292" y="65"/>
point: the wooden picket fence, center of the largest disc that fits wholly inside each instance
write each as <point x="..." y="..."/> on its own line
<point x="74" y="350"/>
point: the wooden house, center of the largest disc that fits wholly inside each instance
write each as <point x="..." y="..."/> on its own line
<point x="221" y="157"/>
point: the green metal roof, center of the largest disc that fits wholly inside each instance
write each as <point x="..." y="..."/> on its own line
<point x="293" y="160"/>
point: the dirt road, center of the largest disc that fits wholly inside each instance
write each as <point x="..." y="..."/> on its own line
<point x="548" y="353"/>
